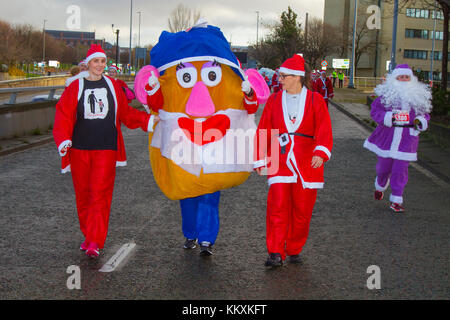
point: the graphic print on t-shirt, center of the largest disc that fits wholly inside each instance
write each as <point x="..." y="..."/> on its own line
<point x="95" y="103"/>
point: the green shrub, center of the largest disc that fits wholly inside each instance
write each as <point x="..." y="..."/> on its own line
<point x="440" y="102"/>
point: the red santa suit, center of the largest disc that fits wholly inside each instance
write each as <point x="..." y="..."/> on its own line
<point x="96" y="146"/>
<point x="324" y="87"/>
<point x="286" y="147"/>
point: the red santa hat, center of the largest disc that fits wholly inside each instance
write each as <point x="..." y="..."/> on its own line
<point x="95" y="51"/>
<point x="113" y="67"/>
<point x="81" y="62"/>
<point x="294" y="65"/>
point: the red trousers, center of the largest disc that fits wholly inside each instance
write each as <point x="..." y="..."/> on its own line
<point x="93" y="175"/>
<point x="289" y="210"/>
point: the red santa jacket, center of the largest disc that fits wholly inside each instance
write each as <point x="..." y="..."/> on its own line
<point x="324" y="87"/>
<point x="65" y="119"/>
<point x="288" y="152"/>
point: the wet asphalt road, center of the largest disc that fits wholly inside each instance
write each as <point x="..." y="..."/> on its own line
<point x="39" y="237"/>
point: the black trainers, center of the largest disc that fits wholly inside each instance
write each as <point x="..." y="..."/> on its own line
<point x="205" y="248"/>
<point x="295" y="259"/>
<point x="274" y="260"/>
<point x="190" y="244"/>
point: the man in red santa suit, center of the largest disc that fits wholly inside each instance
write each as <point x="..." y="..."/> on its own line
<point x="324" y="86"/>
<point x="293" y="140"/>
<point x="87" y="132"/>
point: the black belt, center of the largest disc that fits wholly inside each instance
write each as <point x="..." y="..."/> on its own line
<point x="300" y="135"/>
<point x="406" y="125"/>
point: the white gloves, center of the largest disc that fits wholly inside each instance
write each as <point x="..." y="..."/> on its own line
<point x="153" y="82"/>
<point x="246" y="87"/>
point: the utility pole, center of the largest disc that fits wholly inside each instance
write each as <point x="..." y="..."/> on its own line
<point x="351" y="85"/>
<point x="131" y="28"/>
<point x="394" y="37"/>
<point x="432" y="49"/>
<point x="306" y="29"/>
<point x="43" y="43"/>
<point x="257" y="26"/>
<point x="139" y="33"/>
<point x="117" y="49"/>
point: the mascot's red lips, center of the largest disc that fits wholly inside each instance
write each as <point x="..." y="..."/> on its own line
<point x="210" y="130"/>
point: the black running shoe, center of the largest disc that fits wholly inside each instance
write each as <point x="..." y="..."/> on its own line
<point x="274" y="260"/>
<point x="190" y="244"/>
<point x="295" y="259"/>
<point x="205" y="248"/>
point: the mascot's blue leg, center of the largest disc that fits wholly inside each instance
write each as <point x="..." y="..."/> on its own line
<point x="200" y="217"/>
<point x="208" y="217"/>
<point x="189" y="208"/>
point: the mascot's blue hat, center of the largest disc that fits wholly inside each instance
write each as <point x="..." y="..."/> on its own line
<point x="202" y="42"/>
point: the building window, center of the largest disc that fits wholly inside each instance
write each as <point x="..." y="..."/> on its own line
<point x="439" y="15"/>
<point x="417" y="13"/>
<point x="416" y="33"/>
<point x="437" y="55"/>
<point x="439" y="35"/>
<point x="415" y="54"/>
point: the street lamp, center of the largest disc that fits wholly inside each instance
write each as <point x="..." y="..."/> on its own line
<point x="257" y="26"/>
<point x="139" y="33"/>
<point x="351" y="85"/>
<point x="394" y="37"/>
<point x="117" y="45"/>
<point x="43" y="43"/>
<point x="131" y="28"/>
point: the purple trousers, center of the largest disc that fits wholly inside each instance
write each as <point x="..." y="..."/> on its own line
<point x="395" y="172"/>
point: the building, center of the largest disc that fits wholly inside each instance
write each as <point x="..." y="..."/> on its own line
<point x="74" y="38"/>
<point x="415" y="33"/>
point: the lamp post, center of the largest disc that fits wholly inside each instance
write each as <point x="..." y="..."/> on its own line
<point x="432" y="49"/>
<point x="257" y="26"/>
<point x="139" y="33"/>
<point x="351" y="85"/>
<point x="43" y="43"/>
<point x="131" y="28"/>
<point x="394" y="37"/>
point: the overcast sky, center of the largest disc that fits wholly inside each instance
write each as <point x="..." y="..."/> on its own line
<point x="236" y="18"/>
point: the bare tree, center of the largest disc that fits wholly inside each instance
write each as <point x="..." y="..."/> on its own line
<point x="182" y="18"/>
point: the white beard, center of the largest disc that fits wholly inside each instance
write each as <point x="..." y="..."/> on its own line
<point x="405" y="95"/>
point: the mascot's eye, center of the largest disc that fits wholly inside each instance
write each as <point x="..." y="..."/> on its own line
<point x="211" y="73"/>
<point x="186" y="75"/>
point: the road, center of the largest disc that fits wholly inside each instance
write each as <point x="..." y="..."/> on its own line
<point x="349" y="232"/>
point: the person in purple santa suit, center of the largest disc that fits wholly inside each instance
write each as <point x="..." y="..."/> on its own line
<point x="401" y="112"/>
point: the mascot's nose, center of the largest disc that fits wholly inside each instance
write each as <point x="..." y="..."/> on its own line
<point x="200" y="103"/>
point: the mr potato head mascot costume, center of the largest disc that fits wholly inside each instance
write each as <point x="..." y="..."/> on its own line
<point x="293" y="134"/>
<point x="206" y="105"/>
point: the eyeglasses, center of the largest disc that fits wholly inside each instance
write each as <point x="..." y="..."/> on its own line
<point x="283" y="76"/>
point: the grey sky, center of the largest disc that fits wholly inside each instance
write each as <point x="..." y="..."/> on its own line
<point x="236" y="18"/>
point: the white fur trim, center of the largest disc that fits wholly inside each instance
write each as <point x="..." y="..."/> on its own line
<point x="395" y="154"/>
<point x="396" y="199"/>
<point x="113" y="91"/>
<point x="388" y="119"/>
<point x="121" y="163"/>
<point x="259" y="163"/>
<point x="62" y="145"/>
<point x="423" y="122"/>
<point x="402" y="72"/>
<point x="292" y="71"/>
<point x="380" y="188"/>
<point x="66" y="169"/>
<point x="324" y="149"/>
<point x="282" y="179"/>
<point x="250" y="102"/>
<point x="154" y="90"/>
<point x="151" y="122"/>
<point x="95" y="55"/>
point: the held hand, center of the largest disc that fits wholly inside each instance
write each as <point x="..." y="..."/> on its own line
<point x="259" y="170"/>
<point x="157" y="118"/>
<point x="153" y="80"/>
<point x="316" y="162"/>
<point x="246" y="87"/>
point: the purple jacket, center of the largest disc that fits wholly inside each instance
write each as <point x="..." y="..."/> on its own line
<point x="395" y="142"/>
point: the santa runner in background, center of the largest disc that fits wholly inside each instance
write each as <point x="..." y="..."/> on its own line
<point x="402" y="112"/>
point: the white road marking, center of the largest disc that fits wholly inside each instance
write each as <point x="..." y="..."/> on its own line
<point x="116" y="259"/>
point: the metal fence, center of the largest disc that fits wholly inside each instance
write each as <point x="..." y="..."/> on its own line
<point x="14" y="92"/>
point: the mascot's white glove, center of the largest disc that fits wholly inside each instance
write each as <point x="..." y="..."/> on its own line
<point x="153" y="82"/>
<point x="246" y="87"/>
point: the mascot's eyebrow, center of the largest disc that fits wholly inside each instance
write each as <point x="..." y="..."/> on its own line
<point x="215" y="63"/>
<point x="180" y="66"/>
